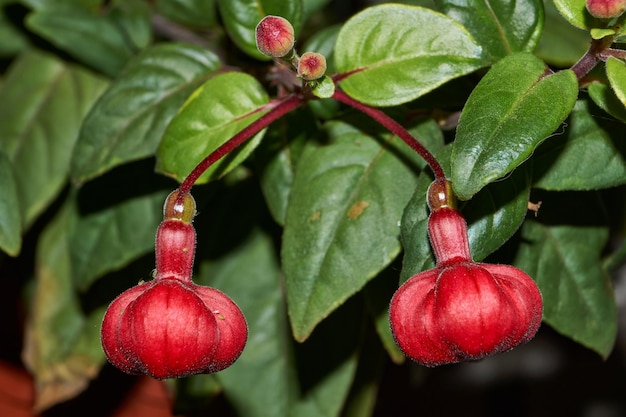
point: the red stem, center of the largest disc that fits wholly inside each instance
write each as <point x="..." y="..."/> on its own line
<point x="283" y="107"/>
<point x="395" y="128"/>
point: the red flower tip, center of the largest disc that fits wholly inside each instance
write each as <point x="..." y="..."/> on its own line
<point x="606" y="9"/>
<point x="274" y="36"/>
<point x="311" y="66"/>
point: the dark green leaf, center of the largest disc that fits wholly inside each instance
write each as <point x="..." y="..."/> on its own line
<point x="561" y="44"/>
<point x="342" y="223"/>
<point x="500" y="27"/>
<point x="326" y="371"/>
<point x="10" y="213"/>
<point x="590" y="155"/>
<point x="396" y="53"/>
<point x="63" y="350"/>
<point x="606" y="99"/>
<point x="13" y="39"/>
<point x="97" y="40"/>
<point x="250" y="275"/>
<point x="195" y="13"/>
<point x="212" y="115"/>
<point x="616" y="72"/>
<point x="577" y="293"/>
<point x="107" y="240"/>
<point x="242" y="16"/>
<point x="42" y="104"/>
<point x="506" y="117"/>
<point x="128" y="121"/>
<point x="280" y="153"/>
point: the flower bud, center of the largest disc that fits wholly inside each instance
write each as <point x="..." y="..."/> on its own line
<point x="274" y="36"/>
<point x="171" y="327"/>
<point x="311" y="66"/>
<point x="606" y="9"/>
<point x="462" y="310"/>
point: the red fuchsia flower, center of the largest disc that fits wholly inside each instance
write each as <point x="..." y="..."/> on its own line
<point x="606" y="9"/>
<point x="170" y="327"/>
<point x="461" y="310"/>
<point x="275" y="36"/>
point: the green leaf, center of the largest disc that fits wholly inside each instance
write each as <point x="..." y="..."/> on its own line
<point x="128" y="121"/>
<point x="10" y="213"/>
<point x="100" y="41"/>
<point x="241" y="17"/>
<point x="395" y="53"/>
<point x="250" y="275"/>
<point x="590" y="155"/>
<point x="616" y="72"/>
<point x="62" y="347"/>
<point x="603" y="96"/>
<point x="342" y="223"/>
<point x="194" y="13"/>
<point x="42" y="104"/>
<point x="500" y="27"/>
<point x="212" y="115"/>
<point x="561" y="44"/>
<point x="280" y="154"/>
<point x="109" y="239"/>
<point x="327" y="371"/>
<point x="506" y="117"/>
<point x="13" y="39"/>
<point x="575" y="12"/>
<point x="577" y="294"/>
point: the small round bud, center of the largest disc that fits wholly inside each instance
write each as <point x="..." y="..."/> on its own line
<point x="606" y="9"/>
<point x="440" y="195"/>
<point x="179" y="207"/>
<point x="312" y="65"/>
<point x="274" y="36"/>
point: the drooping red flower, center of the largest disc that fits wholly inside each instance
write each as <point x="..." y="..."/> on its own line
<point x="462" y="310"/>
<point x="171" y="327"/>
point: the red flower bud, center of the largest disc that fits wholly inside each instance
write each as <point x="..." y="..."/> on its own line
<point x="171" y="327"/>
<point x="462" y="310"/>
<point x="311" y="66"/>
<point x="606" y="9"/>
<point x="274" y="36"/>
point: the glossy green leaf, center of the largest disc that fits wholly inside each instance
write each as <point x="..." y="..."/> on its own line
<point x="575" y="12"/>
<point x="250" y="275"/>
<point x="212" y="115"/>
<point x="62" y="347"/>
<point x="42" y="104"/>
<point x="403" y="51"/>
<point x="590" y="155"/>
<point x="10" y="213"/>
<point x="342" y="223"/>
<point x="577" y="293"/>
<point x="604" y="97"/>
<point x="98" y="40"/>
<point x="241" y="17"/>
<point x="561" y="44"/>
<point x="616" y="72"/>
<point x="194" y="13"/>
<point x="500" y="27"/>
<point x="128" y="121"/>
<point x="506" y="117"/>
<point x="109" y="239"/>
